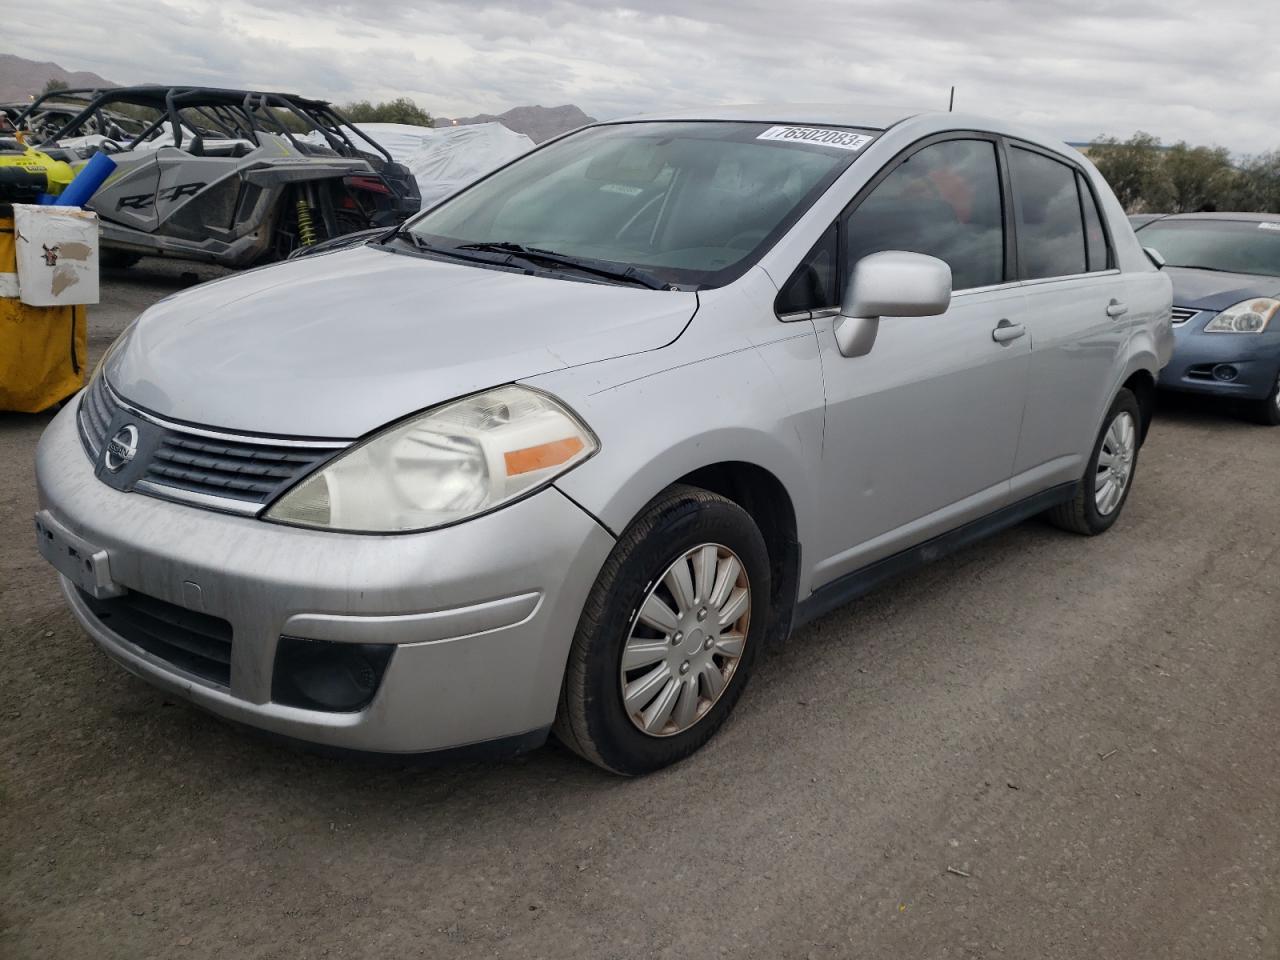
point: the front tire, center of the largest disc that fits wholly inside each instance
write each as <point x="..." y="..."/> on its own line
<point x="668" y="636"/>
<point x="1107" y="480"/>
<point x="1267" y="410"/>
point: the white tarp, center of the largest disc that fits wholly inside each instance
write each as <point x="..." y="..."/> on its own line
<point x="444" y="159"/>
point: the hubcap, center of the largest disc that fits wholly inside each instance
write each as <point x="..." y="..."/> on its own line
<point x="1115" y="464"/>
<point x="686" y="640"/>
<point x="1275" y="397"/>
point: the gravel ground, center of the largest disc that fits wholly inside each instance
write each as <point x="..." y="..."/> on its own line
<point x="1044" y="747"/>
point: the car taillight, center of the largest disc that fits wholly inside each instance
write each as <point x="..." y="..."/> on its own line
<point x="371" y="184"/>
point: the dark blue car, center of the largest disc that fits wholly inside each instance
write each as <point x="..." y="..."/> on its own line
<point x="1226" y="295"/>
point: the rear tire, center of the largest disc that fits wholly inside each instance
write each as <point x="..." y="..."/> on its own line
<point x="1097" y="503"/>
<point x="685" y="667"/>
<point x="1267" y="410"/>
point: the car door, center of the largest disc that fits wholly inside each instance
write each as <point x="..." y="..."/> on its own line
<point x="1077" y="315"/>
<point x="921" y="432"/>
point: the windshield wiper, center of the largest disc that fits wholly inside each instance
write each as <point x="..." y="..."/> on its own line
<point x="452" y="252"/>
<point x="598" y="268"/>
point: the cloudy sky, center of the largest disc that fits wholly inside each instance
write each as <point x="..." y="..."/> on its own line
<point x="1181" y="69"/>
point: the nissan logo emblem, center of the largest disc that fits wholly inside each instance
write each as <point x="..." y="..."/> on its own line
<point x="121" y="448"/>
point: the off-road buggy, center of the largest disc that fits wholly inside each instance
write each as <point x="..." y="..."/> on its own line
<point x="234" y="177"/>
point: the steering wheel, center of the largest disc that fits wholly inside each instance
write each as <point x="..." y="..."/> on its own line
<point x="109" y="146"/>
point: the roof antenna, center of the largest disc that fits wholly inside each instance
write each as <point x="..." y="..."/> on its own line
<point x="952" y="105"/>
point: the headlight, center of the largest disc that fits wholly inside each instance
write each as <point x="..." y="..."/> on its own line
<point x="1250" y="316"/>
<point x="458" y="460"/>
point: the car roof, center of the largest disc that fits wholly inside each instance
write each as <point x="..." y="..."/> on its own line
<point x="868" y="116"/>
<point x="1242" y="216"/>
<point x="877" y="117"/>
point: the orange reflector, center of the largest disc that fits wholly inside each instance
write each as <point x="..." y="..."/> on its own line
<point x="542" y="456"/>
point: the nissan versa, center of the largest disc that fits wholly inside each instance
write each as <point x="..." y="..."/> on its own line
<point x="567" y="450"/>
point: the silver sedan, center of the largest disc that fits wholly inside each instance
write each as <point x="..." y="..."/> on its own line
<point x="571" y="448"/>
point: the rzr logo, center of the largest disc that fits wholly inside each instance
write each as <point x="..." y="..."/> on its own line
<point x="142" y="201"/>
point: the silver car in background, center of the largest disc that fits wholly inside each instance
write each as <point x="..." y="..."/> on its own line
<point x="568" y="450"/>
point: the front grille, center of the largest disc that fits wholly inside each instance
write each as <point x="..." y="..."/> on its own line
<point x="242" y="471"/>
<point x="97" y="407"/>
<point x="1182" y="314"/>
<point x="195" y="643"/>
<point x="237" y="473"/>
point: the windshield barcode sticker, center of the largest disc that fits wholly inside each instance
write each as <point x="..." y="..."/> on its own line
<point x="843" y="139"/>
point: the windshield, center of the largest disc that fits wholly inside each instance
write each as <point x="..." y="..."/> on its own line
<point x="1237" y="246"/>
<point x="692" y="204"/>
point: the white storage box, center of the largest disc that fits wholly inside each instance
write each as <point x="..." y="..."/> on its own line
<point x="57" y="253"/>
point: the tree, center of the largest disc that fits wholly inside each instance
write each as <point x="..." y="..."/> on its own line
<point x="1196" y="178"/>
<point x="1132" y="168"/>
<point x="53" y="85"/>
<point x="1258" y="184"/>
<point x="1149" y="178"/>
<point x="399" y="110"/>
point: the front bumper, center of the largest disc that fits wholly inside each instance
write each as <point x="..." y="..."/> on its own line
<point x="1255" y="357"/>
<point x="481" y="614"/>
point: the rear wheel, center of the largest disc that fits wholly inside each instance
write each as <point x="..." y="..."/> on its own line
<point x="668" y="635"/>
<point x="1109" y="476"/>
<point x="1267" y="410"/>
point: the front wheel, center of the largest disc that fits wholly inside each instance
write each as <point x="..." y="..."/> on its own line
<point x="1267" y="410"/>
<point x="1109" y="476"/>
<point x="668" y="634"/>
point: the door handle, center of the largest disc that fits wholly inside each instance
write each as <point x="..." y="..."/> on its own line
<point x="1117" y="309"/>
<point x="1006" y="331"/>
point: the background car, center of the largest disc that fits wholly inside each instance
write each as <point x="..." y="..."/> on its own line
<point x="224" y="176"/>
<point x="1225" y="269"/>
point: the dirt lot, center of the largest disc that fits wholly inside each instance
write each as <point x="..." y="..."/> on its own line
<point x="1044" y="747"/>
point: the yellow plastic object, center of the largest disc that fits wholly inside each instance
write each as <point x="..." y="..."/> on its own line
<point x="44" y="351"/>
<point x="58" y="173"/>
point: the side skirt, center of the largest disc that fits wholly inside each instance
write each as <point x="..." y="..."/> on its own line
<point x="849" y="587"/>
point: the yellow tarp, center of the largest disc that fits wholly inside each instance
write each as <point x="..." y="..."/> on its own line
<point x="43" y="350"/>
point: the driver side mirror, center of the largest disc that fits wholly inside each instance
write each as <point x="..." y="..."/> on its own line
<point x="893" y="283"/>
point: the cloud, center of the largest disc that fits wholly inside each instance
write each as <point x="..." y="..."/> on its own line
<point x="1178" y="69"/>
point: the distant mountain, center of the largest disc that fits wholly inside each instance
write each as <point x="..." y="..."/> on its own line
<point x="21" y="78"/>
<point x="536" y="123"/>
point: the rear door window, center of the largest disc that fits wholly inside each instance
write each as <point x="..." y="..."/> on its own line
<point x="944" y="200"/>
<point x="1051" y="234"/>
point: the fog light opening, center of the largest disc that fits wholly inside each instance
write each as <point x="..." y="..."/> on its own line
<point x="324" y="675"/>
<point x="1225" y="372"/>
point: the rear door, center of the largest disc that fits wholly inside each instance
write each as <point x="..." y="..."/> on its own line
<point x="921" y="432"/>
<point x="1076" y="314"/>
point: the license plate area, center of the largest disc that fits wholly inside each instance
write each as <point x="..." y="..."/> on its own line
<point x="85" y="565"/>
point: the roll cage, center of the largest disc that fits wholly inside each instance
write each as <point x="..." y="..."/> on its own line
<point x="209" y="112"/>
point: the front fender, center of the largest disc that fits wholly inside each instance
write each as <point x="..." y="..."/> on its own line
<point x="759" y="404"/>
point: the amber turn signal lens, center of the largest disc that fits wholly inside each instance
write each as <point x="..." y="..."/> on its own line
<point x="542" y="456"/>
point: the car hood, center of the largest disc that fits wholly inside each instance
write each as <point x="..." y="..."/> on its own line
<point x="339" y="344"/>
<point x="1211" y="290"/>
